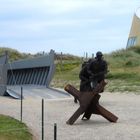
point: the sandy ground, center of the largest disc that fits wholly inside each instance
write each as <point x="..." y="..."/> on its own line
<point x="125" y="106"/>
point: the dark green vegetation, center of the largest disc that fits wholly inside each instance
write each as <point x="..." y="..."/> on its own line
<point x="124" y="69"/>
<point x="11" y="129"/>
<point x="124" y="66"/>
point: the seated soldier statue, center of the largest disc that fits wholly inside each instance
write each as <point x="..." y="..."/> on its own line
<point x="84" y="77"/>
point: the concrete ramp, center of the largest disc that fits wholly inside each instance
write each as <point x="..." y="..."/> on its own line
<point x="12" y="94"/>
<point x="37" y="92"/>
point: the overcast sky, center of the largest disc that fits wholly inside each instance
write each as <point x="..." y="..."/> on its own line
<point x="69" y="26"/>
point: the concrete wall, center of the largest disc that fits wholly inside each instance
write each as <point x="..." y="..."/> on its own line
<point x="35" y="71"/>
<point x="3" y="74"/>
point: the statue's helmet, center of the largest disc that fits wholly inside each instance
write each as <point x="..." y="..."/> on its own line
<point x="99" y="54"/>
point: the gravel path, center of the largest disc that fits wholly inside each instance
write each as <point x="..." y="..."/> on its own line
<point x="125" y="106"/>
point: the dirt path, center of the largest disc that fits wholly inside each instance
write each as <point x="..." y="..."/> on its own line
<point x="125" y="106"/>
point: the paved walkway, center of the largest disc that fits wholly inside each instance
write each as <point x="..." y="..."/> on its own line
<point x="125" y="106"/>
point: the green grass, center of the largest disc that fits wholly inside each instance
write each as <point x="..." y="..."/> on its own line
<point x="67" y="73"/>
<point x="12" y="129"/>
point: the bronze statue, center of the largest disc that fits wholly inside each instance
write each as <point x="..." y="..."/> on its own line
<point x="92" y="83"/>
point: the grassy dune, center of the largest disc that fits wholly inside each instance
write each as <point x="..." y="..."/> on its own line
<point x="124" y="71"/>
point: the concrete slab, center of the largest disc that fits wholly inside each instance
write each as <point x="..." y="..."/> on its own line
<point x="39" y="92"/>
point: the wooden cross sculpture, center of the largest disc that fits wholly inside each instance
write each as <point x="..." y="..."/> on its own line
<point x="89" y="104"/>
